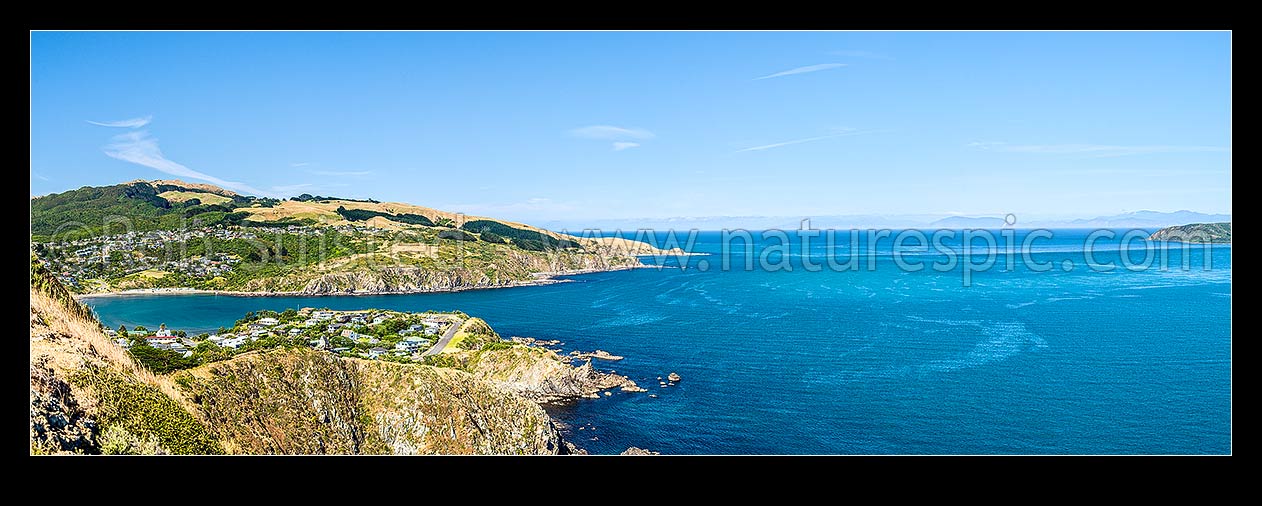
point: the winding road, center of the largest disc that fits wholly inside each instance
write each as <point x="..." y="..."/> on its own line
<point x="442" y="342"/>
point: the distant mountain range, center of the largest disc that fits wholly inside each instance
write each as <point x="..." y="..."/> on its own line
<point x="1143" y="219"/>
<point x="1137" y="219"/>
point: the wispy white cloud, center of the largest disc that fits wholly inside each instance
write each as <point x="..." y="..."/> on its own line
<point x="611" y="133"/>
<point x="124" y="123"/>
<point x="847" y="133"/>
<point x="39" y="176"/>
<point x="142" y="149"/>
<point x="1095" y="150"/>
<point x="342" y="173"/>
<point x="803" y="70"/>
<point x="299" y="164"/>
<point x="859" y="53"/>
<point x="623" y="137"/>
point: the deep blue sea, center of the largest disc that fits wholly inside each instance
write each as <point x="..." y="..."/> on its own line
<point x="880" y="361"/>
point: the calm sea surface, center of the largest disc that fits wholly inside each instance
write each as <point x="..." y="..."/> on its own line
<point x="862" y="362"/>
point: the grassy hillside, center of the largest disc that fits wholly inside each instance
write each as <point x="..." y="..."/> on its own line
<point x="135" y="206"/>
<point x="89" y="396"/>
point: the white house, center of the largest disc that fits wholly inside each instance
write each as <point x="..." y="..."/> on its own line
<point x="156" y="339"/>
<point x="268" y="321"/>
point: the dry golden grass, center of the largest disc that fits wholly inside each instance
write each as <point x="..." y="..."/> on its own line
<point x="80" y="340"/>
<point x="205" y="198"/>
<point x="196" y="186"/>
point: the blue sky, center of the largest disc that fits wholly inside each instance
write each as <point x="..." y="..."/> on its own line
<point x="538" y="126"/>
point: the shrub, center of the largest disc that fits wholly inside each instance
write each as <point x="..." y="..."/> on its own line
<point x="456" y="235"/>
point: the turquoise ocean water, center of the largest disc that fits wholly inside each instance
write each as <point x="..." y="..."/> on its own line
<point x="862" y="362"/>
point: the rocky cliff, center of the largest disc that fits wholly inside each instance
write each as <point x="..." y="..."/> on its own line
<point x="314" y="403"/>
<point x="511" y="267"/>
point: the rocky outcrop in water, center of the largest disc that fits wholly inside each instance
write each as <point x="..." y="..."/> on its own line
<point x="600" y="354"/>
<point x="543" y="376"/>
<point x="638" y="451"/>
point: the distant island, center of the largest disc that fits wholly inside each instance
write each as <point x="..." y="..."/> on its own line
<point x="1195" y="233"/>
<point x="172" y="236"/>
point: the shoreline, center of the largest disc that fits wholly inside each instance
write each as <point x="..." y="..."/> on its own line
<point x="541" y="279"/>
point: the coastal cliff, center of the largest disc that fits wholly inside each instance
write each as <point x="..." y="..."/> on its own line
<point x="1195" y="233"/>
<point x="510" y="270"/>
<point x="88" y="396"/>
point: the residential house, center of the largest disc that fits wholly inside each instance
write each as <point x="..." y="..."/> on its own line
<point x="270" y="322"/>
<point x="156" y="339"/>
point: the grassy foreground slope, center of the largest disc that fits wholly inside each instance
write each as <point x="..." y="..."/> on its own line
<point x="89" y="397"/>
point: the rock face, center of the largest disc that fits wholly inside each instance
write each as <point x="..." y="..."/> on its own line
<point x="319" y="403"/>
<point x="58" y="423"/>
<point x="638" y="451"/>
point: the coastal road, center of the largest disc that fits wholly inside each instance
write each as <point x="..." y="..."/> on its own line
<point x="442" y="342"/>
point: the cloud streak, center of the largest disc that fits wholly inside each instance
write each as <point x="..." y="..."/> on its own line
<point x="611" y="133"/>
<point x="802" y="70"/>
<point x="1094" y="150"/>
<point x="124" y="123"/>
<point x="142" y="149"/>
<point x="342" y="173"/>
<point x="623" y="138"/>
<point x="806" y="140"/>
